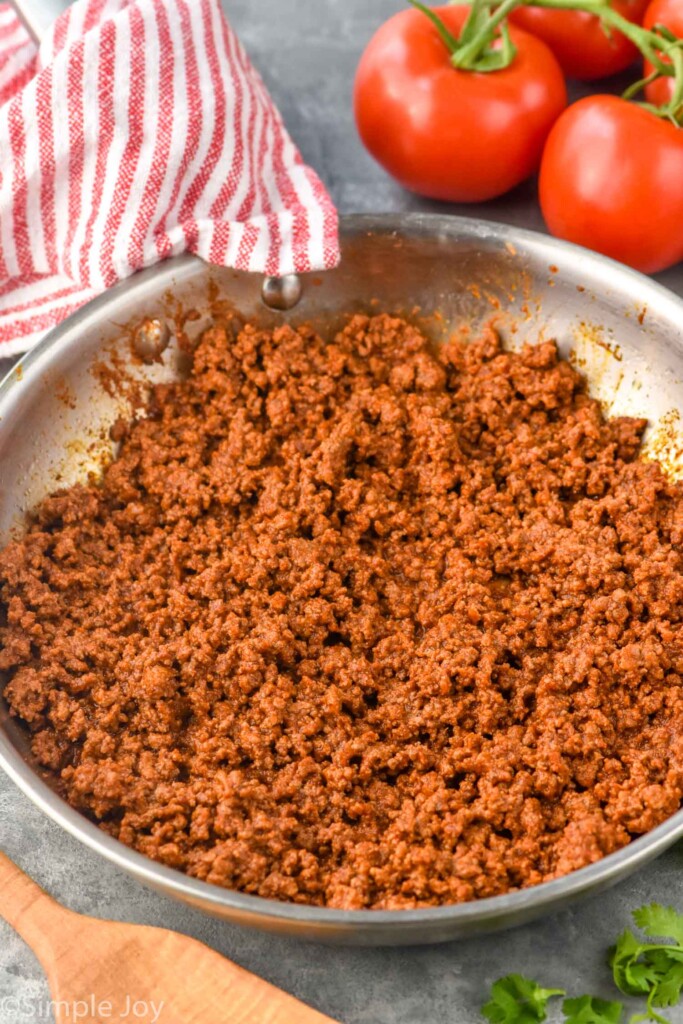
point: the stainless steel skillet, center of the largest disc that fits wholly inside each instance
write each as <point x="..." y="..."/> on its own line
<point x="56" y="407"/>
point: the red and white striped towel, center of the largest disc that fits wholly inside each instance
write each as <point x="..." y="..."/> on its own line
<point x="137" y="131"/>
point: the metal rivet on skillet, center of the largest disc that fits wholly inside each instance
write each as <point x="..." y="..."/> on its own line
<point x="150" y="339"/>
<point x="281" y="292"/>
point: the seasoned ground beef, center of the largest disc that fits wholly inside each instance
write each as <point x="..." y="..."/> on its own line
<point x="362" y="623"/>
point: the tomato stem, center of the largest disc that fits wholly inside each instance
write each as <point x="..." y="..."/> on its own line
<point x="475" y="49"/>
<point x="485" y="44"/>
<point x="449" y="40"/>
<point x="638" y="86"/>
<point x="649" y="43"/>
<point x="467" y="56"/>
<point x="676" y="102"/>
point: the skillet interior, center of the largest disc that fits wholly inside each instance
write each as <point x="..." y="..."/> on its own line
<point x="56" y="407"/>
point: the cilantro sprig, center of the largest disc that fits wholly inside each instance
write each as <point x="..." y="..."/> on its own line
<point x="640" y="967"/>
<point x="518" y="1000"/>
<point x="591" y="1010"/>
<point x="653" y="970"/>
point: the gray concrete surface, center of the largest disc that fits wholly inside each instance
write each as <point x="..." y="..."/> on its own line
<point x="307" y="51"/>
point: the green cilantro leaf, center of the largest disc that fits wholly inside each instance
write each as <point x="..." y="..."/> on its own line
<point x="649" y="1015"/>
<point x="518" y="1000"/>
<point x="591" y="1010"/>
<point x="660" y="922"/>
<point x="651" y="969"/>
<point x="630" y="976"/>
<point x="667" y="990"/>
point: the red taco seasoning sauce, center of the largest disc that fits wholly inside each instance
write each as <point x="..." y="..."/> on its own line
<point x="360" y="623"/>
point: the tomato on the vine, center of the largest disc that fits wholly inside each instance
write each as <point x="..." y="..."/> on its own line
<point x="669" y="13"/>
<point x="449" y="133"/>
<point x="584" y="48"/>
<point x="612" y="180"/>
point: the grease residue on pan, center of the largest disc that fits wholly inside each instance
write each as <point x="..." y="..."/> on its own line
<point x="507" y="285"/>
<point x="664" y="443"/>
<point x="125" y="379"/>
<point x="600" y="360"/>
<point x="621" y="391"/>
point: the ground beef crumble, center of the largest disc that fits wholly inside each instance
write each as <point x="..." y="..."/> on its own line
<point x="362" y="623"/>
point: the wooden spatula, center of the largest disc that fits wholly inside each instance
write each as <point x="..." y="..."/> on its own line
<point x="105" y="970"/>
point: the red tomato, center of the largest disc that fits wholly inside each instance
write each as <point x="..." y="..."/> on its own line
<point x="612" y="180"/>
<point x="449" y="134"/>
<point x="669" y="13"/>
<point x="578" y="40"/>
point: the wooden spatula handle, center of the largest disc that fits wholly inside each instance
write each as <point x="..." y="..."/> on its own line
<point x="86" y="958"/>
<point x="39" y="920"/>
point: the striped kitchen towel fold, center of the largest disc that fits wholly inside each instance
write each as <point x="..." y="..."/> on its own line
<point x="139" y="130"/>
